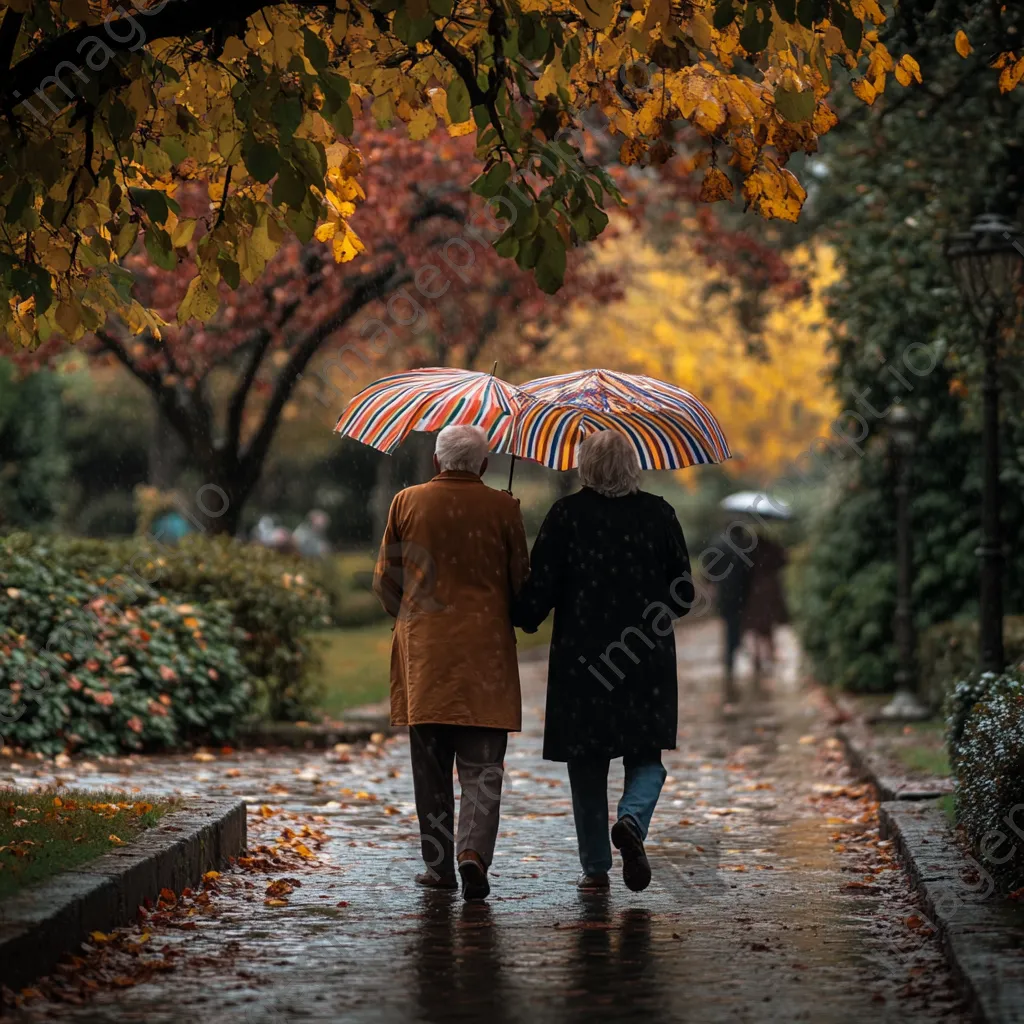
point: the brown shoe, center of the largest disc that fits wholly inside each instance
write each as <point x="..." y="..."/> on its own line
<point x="432" y="880"/>
<point x="474" y="876"/>
<point x="593" y="883"/>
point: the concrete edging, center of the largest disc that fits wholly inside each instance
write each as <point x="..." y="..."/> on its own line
<point x="981" y="931"/>
<point x="41" y="924"/>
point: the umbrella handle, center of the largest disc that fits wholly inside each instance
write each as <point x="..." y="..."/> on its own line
<point x="511" y="470"/>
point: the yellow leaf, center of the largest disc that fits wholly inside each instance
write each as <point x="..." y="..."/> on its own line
<point x="326" y="231"/>
<point x="774" y="192"/>
<point x="99" y="937"/>
<point x="598" y="13"/>
<point x="963" y="44"/>
<point x="347" y="245"/>
<point x="276" y="902"/>
<point x="200" y="301"/>
<point x="421" y="126"/>
<point x="864" y="91"/>
<point x="304" y="851"/>
<point x="1010" y="76"/>
<point x="716" y="186"/>
<point x="116" y="840"/>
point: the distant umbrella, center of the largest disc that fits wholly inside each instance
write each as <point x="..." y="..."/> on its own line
<point x="757" y="503"/>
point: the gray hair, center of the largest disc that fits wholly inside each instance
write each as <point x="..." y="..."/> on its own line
<point x="461" y="449"/>
<point x="608" y="464"/>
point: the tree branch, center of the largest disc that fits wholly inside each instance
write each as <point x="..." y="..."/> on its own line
<point x="371" y="286"/>
<point x="180" y="18"/>
<point x="9" y="38"/>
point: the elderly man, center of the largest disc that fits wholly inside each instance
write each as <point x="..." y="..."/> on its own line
<point x="453" y="556"/>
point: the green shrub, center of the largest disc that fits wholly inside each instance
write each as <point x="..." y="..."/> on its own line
<point x="271" y="598"/>
<point x="989" y="768"/>
<point x="948" y="651"/>
<point x="82" y="671"/>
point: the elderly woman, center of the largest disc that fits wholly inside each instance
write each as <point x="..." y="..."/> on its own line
<point x="612" y="563"/>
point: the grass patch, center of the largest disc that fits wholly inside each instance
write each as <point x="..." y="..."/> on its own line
<point x="356" y="664"/>
<point x="948" y="805"/>
<point x="929" y="760"/>
<point x="51" y="830"/>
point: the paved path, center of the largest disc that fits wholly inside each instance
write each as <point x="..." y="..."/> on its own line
<point x="772" y="898"/>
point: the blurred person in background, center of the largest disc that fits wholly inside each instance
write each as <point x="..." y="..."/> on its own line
<point x="612" y="563"/>
<point x="453" y="556"/>
<point x="310" y="536"/>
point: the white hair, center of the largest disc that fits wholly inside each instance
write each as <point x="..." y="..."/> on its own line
<point x="461" y="449"/>
<point x="608" y="464"/>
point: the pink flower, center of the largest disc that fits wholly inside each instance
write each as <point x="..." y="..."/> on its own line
<point x="74" y="683"/>
<point x="104" y="697"/>
<point x="167" y="674"/>
<point x="134" y="723"/>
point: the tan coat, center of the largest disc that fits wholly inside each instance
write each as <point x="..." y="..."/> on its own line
<point x="454" y="553"/>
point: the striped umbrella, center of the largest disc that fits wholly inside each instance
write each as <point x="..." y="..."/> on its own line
<point x="385" y="413"/>
<point x="669" y="427"/>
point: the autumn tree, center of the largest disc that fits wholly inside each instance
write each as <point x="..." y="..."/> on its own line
<point x="312" y="330"/>
<point x="107" y="110"/>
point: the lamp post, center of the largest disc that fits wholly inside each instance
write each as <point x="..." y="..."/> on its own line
<point x="904" y="705"/>
<point x="988" y="263"/>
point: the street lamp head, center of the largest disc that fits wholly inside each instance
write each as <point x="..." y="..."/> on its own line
<point x="902" y="427"/>
<point x="988" y="264"/>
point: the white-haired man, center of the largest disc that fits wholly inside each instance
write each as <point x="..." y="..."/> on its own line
<point x="453" y="557"/>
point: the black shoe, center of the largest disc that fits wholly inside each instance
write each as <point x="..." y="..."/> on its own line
<point x="636" y="869"/>
<point x="597" y="882"/>
<point x="432" y="880"/>
<point x="474" y="879"/>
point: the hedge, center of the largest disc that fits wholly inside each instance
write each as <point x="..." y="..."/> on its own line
<point x="986" y="747"/>
<point x="255" y="609"/>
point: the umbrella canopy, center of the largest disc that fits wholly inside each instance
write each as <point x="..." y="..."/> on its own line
<point x="757" y="503"/>
<point x="385" y="413"/>
<point x="669" y="427"/>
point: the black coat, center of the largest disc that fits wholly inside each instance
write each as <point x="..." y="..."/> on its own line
<point x="617" y="574"/>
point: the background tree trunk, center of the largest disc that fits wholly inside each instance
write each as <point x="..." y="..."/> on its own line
<point x="166" y="452"/>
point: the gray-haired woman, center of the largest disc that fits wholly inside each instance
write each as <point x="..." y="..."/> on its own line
<point x="612" y="563"/>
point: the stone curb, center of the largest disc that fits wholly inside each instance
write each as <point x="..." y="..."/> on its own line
<point x="866" y="764"/>
<point x="41" y="924"/>
<point x="981" y="932"/>
<point x="312" y="736"/>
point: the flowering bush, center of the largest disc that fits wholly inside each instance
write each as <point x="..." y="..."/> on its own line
<point x="986" y="742"/>
<point x="84" y="673"/>
<point x="271" y="598"/>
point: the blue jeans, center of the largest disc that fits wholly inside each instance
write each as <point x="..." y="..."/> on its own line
<point x="588" y="778"/>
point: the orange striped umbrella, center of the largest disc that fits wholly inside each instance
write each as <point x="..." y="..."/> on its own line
<point x="669" y="427"/>
<point x="385" y="413"/>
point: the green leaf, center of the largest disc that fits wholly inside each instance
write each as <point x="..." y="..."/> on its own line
<point x="795" y="106"/>
<point x="152" y="201"/>
<point x="230" y="271"/>
<point x="262" y="160"/>
<point x="853" y="32"/>
<point x="529" y="252"/>
<point x="489" y="183"/>
<point x="725" y="14"/>
<point x="442" y="8"/>
<point x="458" y="101"/>
<point x="481" y="116"/>
<point x="126" y="237"/>
<point x="286" y="113"/>
<point x="18" y="201"/>
<point x="411" y="30"/>
<point x="173" y="148"/>
<point x="550" y="267"/>
<point x="571" y="53"/>
<point x="809" y="12"/>
<point x="315" y="49"/>
<point x="290" y="188"/>
<point x="507" y="245"/>
<point x="160" y="249"/>
<point x="786" y="10"/>
<point x="341" y="120"/>
<point x="757" y="28"/>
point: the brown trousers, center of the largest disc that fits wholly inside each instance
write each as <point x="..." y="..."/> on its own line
<point x="478" y="754"/>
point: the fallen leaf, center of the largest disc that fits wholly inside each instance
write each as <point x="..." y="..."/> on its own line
<point x="276" y="903"/>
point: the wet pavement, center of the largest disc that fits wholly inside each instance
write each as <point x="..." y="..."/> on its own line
<point x="772" y="898"/>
